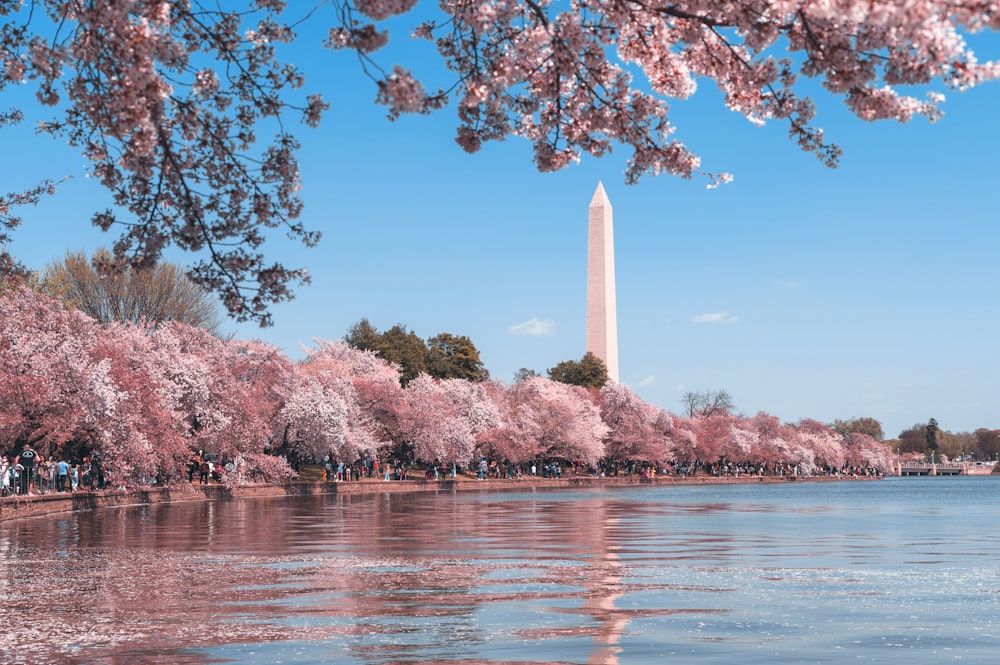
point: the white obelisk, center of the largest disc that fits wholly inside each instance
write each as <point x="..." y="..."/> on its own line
<point x="602" y="319"/>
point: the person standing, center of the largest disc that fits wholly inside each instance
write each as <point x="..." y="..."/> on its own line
<point x="62" y="473"/>
<point x="86" y="479"/>
<point x="97" y="472"/>
<point x="27" y="460"/>
<point x="50" y="474"/>
<point x="327" y="468"/>
<point x="4" y="476"/>
<point x="194" y="466"/>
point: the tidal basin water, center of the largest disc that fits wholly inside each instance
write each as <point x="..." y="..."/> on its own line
<point x="905" y="570"/>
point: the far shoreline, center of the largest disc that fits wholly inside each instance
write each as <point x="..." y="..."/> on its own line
<point x="21" y="507"/>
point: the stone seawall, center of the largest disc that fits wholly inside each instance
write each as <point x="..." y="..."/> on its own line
<point x="48" y="504"/>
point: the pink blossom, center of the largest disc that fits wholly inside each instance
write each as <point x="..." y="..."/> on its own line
<point x="166" y="99"/>
<point x="546" y="419"/>
<point x="638" y="431"/>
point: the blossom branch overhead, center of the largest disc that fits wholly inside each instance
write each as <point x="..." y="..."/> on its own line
<point x="171" y="101"/>
<point x="559" y="75"/>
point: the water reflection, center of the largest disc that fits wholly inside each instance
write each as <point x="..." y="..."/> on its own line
<point x="736" y="574"/>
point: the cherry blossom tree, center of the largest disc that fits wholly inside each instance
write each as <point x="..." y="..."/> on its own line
<point x="146" y="438"/>
<point x="217" y="391"/>
<point x="638" y="430"/>
<point x="548" y="419"/>
<point x="146" y="396"/>
<point x="562" y="76"/>
<point x="770" y="445"/>
<point x="142" y="397"/>
<point x="171" y="101"/>
<point x="228" y="395"/>
<point x="325" y="411"/>
<point x="11" y="201"/>
<point x="325" y="417"/>
<point x="685" y="439"/>
<point x="375" y="381"/>
<point x="866" y="452"/>
<point x="190" y="390"/>
<point x="167" y="101"/>
<point x="50" y="386"/>
<point x="512" y="439"/>
<point x="715" y="438"/>
<point x="264" y="375"/>
<point x="743" y="442"/>
<point x="794" y="449"/>
<point x="445" y="417"/>
<point x="253" y="375"/>
<point x="826" y="446"/>
<point x="194" y="384"/>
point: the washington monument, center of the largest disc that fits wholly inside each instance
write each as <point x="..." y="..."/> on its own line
<point x="602" y="320"/>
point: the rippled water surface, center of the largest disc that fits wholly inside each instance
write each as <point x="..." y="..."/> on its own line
<point x="905" y="570"/>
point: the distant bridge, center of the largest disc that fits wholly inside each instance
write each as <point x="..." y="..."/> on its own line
<point x="947" y="469"/>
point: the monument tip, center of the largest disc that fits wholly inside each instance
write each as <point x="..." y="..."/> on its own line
<point x="600" y="197"/>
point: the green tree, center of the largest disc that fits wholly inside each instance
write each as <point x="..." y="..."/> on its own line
<point x="406" y="349"/>
<point x="444" y="356"/>
<point x="869" y="426"/>
<point x="160" y="293"/>
<point x="454" y="357"/>
<point x="397" y="345"/>
<point x="931" y="435"/>
<point x="363" y="335"/>
<point x="589" y="372"/>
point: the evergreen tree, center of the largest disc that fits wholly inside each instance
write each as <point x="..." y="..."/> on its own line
<point x="454" y="357"/>
<point x="932" y="435"/>
<point x="363" y="336"/>
<point x="589" y="372"/>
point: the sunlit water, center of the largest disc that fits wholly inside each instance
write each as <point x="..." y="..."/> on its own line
<point x="899" y="571"/>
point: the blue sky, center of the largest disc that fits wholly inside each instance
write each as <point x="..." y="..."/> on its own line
<point x="868" y="290"/>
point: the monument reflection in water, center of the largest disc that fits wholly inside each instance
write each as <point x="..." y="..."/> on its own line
<point x="901" y="570"/>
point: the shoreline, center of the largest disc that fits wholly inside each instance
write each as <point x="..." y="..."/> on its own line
<point x="39" y="505"/>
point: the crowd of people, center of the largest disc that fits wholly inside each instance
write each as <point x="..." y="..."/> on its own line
<point x="26" y="472"/>
<point x="206" y="469"/>
<point x="485" y="469"/>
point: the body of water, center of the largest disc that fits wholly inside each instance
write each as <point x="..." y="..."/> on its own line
<point x="905" y="570"/>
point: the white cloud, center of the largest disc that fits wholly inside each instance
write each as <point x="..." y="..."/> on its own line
<point x="648" y="381"/>
<point x="534" y="326"/>
<point x="716" y="317"/>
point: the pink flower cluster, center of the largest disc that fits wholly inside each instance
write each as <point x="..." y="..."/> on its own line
<point x="166" y="99"/>
<point x="146" y="397"/>
<point x="562" y="74"/>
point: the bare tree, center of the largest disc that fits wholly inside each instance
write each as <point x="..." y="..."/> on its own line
<point x="707" y="403"/>
<point x="161" y="293"/>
